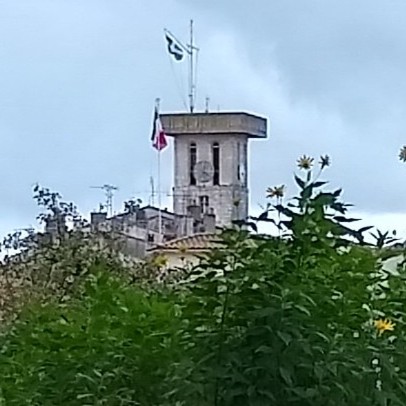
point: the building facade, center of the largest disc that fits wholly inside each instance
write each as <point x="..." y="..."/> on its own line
<point x="210" y="183"/>
<point x="211" y="162"/>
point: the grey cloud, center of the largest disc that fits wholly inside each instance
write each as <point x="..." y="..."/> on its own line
<point x="339" y="79"/>
<point x="78" y="81"/>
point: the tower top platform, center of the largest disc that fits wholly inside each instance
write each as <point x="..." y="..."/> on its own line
<point x="220" y="123"/>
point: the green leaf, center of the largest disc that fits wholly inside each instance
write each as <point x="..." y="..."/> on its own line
<point x="84" y="395"/>
<point x="308" y="298"/>
<point x="322" y="336"/>
<point x="307" y="192"/>
<point x="324" y="199"/>
<point x="253" y="226"/>
<point x="363" y="229"/>
<point x="340" y="207"/>
<point x="319" y="184"/>
<point x="342" y="219"/>
<point x="302" y="309"/>
<point x="284" y="210"/>
<point x="301" y="183"/>
<point x="263" y="216"/>
<point x="286" y="375"/>
<point x="265" y="349"/>
<point x="285" y="337"/>
<point x="265" y="312"/>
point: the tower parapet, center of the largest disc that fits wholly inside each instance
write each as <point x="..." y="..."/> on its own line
<point x="220" y="123"/>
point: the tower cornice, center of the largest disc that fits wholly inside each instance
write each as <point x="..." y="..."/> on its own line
<point x="220" y="123"/>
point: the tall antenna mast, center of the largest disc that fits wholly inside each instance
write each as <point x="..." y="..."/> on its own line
<point x="109" y="192"/>
<point x="191" y="76"/>
<point x="152" y="195"/>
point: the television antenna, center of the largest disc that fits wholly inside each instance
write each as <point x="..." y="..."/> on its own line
<point x="109" y="193"/>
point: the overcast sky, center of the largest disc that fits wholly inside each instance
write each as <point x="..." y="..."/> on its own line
<point x="78" y="79"/>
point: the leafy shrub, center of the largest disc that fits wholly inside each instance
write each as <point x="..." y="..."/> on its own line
<point x="311" y="317"/>
<point x="110" y="346"/>
<point x="294" y="320"/>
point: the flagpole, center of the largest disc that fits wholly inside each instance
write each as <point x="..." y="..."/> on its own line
<point x="159" y="196"/>
<point x="157" y="105"/>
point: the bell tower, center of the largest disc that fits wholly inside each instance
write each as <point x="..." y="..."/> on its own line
<point x="211" y="161"/>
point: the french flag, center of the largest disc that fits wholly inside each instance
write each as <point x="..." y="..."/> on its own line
<point x="158" y="136"/>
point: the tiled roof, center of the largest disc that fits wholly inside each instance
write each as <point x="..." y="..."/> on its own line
<point x="203" y="241"/>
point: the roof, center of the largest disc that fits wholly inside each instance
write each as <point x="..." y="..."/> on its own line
<point x="164" y="210"/>
<point x="226" y="123"/>
<point x="213" y="113"/>
<point x="164" y="213"/>
<point x="198" y="242"/>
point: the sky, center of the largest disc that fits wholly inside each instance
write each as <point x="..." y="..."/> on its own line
<point x="78" y="80"/>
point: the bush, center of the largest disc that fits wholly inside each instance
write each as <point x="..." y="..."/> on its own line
<point x="110" y="346"/>
<point x="303" y="319"/>
<point x="311" y="317"/>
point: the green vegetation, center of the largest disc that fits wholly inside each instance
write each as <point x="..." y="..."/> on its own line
<point x="110" y="346"/>
<point x="311" y="317"/>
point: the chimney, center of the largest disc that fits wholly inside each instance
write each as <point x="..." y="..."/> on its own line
<point x="209" y="222"/>
<point x="96" y="219"/>
<point x="194" y="211"/>
<point x="184" y="225"/>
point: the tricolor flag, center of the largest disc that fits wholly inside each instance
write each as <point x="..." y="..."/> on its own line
<point x="158" y="136"/>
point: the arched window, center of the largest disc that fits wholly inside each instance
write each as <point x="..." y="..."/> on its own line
<point x="216" y="163"/>
<point x="192" y="161"/>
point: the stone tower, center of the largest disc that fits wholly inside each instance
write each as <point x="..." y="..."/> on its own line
<point x="211" y="161"/>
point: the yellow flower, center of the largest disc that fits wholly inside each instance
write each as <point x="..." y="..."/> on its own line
<point x="183" y="249"/>
<point x="305" y="162"/>
<point x="383" y="325"/>
<point x="276" y="191"/>
<point x="160" y="261"/>
<point x="402" y="154"/>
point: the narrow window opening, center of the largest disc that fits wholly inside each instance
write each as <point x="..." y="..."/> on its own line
<point x="239" y="161"/>
<point x="204" y="204"/>
<point x="193" y="159"/>
<point x="216" y="163"/>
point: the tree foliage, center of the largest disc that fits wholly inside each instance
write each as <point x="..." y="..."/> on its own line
<point x="109" y="346"/>
<point x="312" y="316"/>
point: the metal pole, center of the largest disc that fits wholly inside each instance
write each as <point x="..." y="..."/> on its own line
<point x="191" y="79"/>
<point x="157" y="102"/>
<point x="152" y="196"/>
<point x="109" y="193"/>
<point x="159" y="196"/>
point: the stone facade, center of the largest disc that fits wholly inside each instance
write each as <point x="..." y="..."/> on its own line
<point x="138" y="231"/>
<point x="226" y="198"/>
